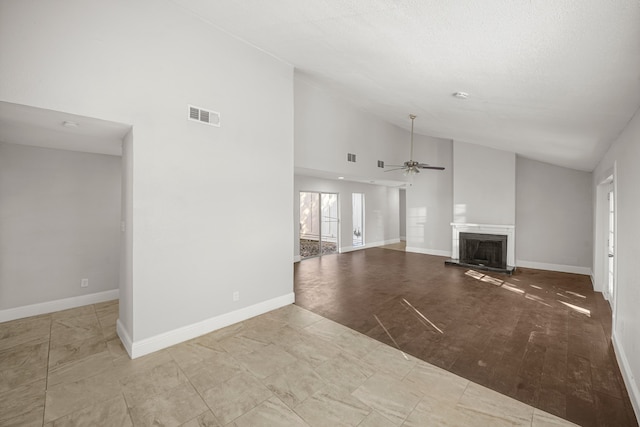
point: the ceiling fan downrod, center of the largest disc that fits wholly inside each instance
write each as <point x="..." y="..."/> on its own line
<point x="412" y="117"/>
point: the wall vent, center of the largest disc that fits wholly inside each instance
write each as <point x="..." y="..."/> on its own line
<point x="201" y="115"/>
<point x="380" y="164"/>
<point x="351" y="157"/>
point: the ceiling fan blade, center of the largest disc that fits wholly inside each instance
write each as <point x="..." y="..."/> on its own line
<point x="395" y="169"/>
<point x="394" y="166"/>
<point x="425" y="166"/>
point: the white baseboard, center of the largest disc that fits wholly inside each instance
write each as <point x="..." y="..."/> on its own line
<point x="368" y="245"/>
<point x="627" y="375"/>
<point x="127" y="342"/>
<point x="176" y="336"/>
<point x="297" y="258"/>
<point x="436" y="252"/>
<point x="554" y="267"/>
<point x="56" y="305"/>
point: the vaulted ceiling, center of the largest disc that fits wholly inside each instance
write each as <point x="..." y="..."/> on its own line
<point x="553" y="80"/>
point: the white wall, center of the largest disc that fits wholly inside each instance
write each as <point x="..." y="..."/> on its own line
<point x="380" y="205"/>
<point x="554" y="217"/>
<point x="327" y="128"/>
<point x="624" y="157"/>
<point x="199" y="192"/>
<point x="60" y="220"/>
<point x="126" y="237"/>
<point x="430" y="197"/>
<point x="484" y="185"/>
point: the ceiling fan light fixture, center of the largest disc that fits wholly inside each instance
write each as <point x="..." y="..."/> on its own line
<point x="412" y="167"/>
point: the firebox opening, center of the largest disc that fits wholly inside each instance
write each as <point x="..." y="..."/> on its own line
<point x="486" y="250"/>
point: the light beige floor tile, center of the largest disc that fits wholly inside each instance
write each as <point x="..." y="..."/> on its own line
<point x="22" y="400"/>
<point x="270" y="413"/>
<point x="71" y="329"/>
<point x="30" y="419"/>
<point x="287" y="334"/>
<point x="374" y="419"/>
<point x="146" y="384"/>
<point x="190" y="352"/>
<point x="108" y="413"/>
<point x="326" y="329"/>
<point x="544" y="419"/>
<point x="23" y="331"/>
<point x="236" y="396"/>
<point x="80" y="369"/>
<point x="355" y="343"/>
<point x="390" y="360"/>
<point x="311" y="350"/>
<point x="389" y="396"/>
<point x="62" y="354"/>
<point x="344" y="371"/>
<point x="238" y="344"/>
<point x="23" y="364"/>
<point x="262" y="329"/>
<point x="169" y="408"/>
<point x="107" y="307"/>
<point x="332" y="406"/>
<point x="294" y="383"/>
<point x="212" y="339"/>
<point x="116" y="348"/>
<point x="126" y="367"/>
<point x="203" y="420"/>
<point x="436" y="383"/>
<point x="73" y="313"/>
<point x="438" y="413"/>
<point x="266" y="361"/>
<point x="108" y="325"/>
<point x="483" y="402"/>
<point x="66" y="398"/>
<point x="295" y="316"/>
<point x="213" y="371"/>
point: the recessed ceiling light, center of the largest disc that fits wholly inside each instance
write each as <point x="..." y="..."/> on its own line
<point x="341" y="177"/>
<point x="69" y="124"/>
<point x="461" y="95"/>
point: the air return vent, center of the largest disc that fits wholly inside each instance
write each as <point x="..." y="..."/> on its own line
<point x="201" y="115"/>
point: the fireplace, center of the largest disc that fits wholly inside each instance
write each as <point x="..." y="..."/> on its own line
<point x="484" y="250"/>
<point x="483" y="246"/>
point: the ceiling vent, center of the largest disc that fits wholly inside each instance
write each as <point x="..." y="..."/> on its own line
<point x="201" y="115"/>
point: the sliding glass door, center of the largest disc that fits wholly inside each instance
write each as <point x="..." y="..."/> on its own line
<point x="319" y="224"/>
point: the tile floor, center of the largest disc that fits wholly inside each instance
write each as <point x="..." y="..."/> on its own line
<point x="540" y="337"/>
<point x="289" y="367"/>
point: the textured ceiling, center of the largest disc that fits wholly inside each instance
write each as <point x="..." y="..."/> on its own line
<point x="553" y="80"/>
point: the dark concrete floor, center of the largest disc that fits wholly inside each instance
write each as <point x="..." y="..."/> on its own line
<point x="538" y="336"/>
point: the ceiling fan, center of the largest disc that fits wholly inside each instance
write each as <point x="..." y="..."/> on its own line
<point x="412" y="167"/>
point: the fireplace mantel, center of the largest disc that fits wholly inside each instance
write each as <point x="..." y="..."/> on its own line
<point x="504" y="230"/>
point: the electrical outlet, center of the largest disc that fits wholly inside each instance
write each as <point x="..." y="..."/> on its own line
<point x="84" y="283"/>
<point x="236" y="296"/>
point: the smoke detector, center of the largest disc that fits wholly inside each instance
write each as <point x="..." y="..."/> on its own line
<point x="461" y="95"/>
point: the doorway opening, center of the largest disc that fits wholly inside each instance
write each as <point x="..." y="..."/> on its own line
<point x="319" y="224"/>
<point x="605" y="265"/>
<point x="611" y="277"/>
